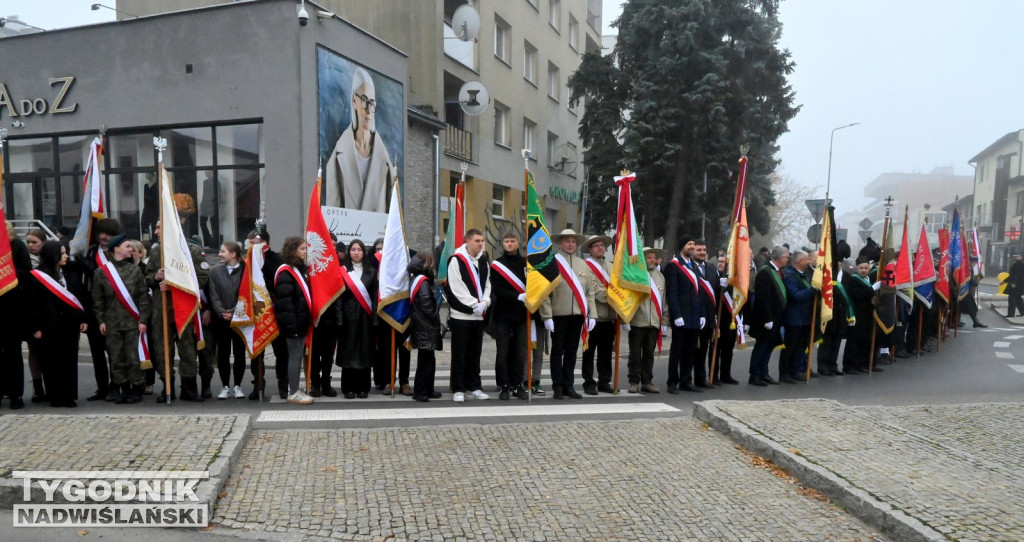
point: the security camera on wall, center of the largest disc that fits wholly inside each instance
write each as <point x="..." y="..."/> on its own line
<point x="303" y="15"/>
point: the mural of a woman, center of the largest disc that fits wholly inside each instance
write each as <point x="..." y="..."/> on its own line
<point x="359" y="168"/>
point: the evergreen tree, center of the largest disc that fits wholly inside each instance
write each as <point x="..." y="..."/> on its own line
<point x="688" y="83"/>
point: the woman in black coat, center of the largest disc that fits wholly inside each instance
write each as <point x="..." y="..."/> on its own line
<point x="57" y="318"/>
<point x="291" y="306"/>
<point x="424" y="326"/>
<point x="355" y="342"/>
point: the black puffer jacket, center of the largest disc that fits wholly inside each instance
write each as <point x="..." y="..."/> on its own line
<point x="290" y="305"/>
<point x="425" y="326"/>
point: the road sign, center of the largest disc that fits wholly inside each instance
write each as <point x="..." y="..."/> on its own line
<point x="864" y="234"/>
<point x="865" y="224"/>
<point x="814" y="234"/>
<point x="817" y="208"/>
<point x="841" y="234"/>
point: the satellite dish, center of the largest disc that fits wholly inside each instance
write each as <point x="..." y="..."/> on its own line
<point x="473" y="98"/>
<point x="565" y="160"/>
<point x="466" y="22"/>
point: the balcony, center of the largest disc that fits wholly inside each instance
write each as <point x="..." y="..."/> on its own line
<point x="458" y="143"/>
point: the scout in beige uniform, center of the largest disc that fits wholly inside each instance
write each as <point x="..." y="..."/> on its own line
<point x="602" y="340"/>
<point x="646" y="329"/>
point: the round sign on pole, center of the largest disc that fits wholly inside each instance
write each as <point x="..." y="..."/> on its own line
<point x="814" y="234"/>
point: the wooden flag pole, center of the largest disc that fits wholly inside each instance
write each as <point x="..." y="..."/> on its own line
<point x="168" y="385"/>
<point x="309" y="361"/>
<point x="526" y="232"/>
<point x="392" y="363"/>
<point x="714" y="343"/>
<point x="618" y="338"/>
<point x="259" y="376"/>
<point x="529" y="360"/>
<point x="810" y="342"/>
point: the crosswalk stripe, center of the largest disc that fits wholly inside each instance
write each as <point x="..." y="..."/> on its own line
<point x="1001" y="344"/>
<point x="1004" y="355"/>
<point x="1018" y="368"/>
<point x="1013" y="337"/>
<point x="311" y="415"/>
<point x="381" y="398"/>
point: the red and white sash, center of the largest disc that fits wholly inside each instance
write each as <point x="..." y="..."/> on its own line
<point x="708" y="290"/>
<point x="573" y="282"/>
<point x="298" y="279"/>
<point x="474" y="273"/>
<point x="416" y="283"/>
<point x="511" y="277"/>
<point x="689" y="274"/>
<point x="58" y="290"/>
<point x="599" y="271"/>
<point x="358" y="290"/>
<point x="656" y="301"/>
<point x="125" y="297"/>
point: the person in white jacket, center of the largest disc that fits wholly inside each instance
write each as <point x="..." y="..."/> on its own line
<point x="469" y="295"/>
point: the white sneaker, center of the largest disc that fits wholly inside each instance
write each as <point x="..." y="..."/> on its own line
<point x="480" y="395"/>
<point x="299" y="398"/>
<point x="224" y="393"/>
<point x="459" y="397"/>
<point x="239" y="394"/>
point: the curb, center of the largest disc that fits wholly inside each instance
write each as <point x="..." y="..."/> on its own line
<point x="12" y="490"/>
<point x="858" y="502"/>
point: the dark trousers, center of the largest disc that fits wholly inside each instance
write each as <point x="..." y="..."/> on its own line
<point x="1016" y="304"/>
<point x="723" y="359"/>
<point x="355" y="380"/>
<point x="858" y="347"/>
<point x="12" y="366"/>
<point x="97" y="347"/>
<point x="325" y="340"/>
<point x="280" y="367"/>
<point x="702" y="362"/>
<point x="760" y="356"/>
<point x="602" y="341"/>
<point x="58" y="359"/>
<point x="423" y="385"/>
<point x="510" y="341"/>
<point x="828" y="352"/>
<point x="681" y="356"/>
<point x="467" y="341"/>
<point x="382" y="359"/>
<point x="793" y="359"/>
<point x="564" y="342"/>
<point x="642" y="343"/>
<point x="229" y="342"/>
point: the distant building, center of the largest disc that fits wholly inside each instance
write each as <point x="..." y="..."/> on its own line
<point x="999" y="199"/>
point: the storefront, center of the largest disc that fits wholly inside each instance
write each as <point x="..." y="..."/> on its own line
<point x="250" y="102"/>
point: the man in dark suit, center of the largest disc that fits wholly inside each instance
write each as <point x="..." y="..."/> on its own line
<point x="686" y="312"/>
<point x="766" y="316"/>
<point x="798" y="320"/>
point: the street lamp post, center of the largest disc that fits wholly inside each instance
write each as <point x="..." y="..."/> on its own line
<point x="828" y="183"/>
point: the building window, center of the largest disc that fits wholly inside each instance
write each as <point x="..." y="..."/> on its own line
<point x="981" y="173"/>
<point x="502" y="45"/>
<point x="498" y="201"/>
<point x="553" y="82"/>
<point x="574" y="33"/>
<point x="555" y="14"/>
<point x="529" y="129"/>
<point x="552" y="147"/>
<point x="936" y="221"/>
<point x="530" y="62"/>
<point x="502" y="126"/>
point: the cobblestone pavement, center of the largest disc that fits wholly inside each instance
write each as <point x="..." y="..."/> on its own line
<point x="957" y="469"/>
<point x="665" y="479"/>
<point x="135" y="443"/>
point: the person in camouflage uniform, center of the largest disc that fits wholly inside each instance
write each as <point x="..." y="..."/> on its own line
<point x="208" y="355"/>
<point x="185" y="341"/>
<point x="119" y="326"/>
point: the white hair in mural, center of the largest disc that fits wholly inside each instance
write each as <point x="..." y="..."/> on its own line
<point x="361" y="78"/>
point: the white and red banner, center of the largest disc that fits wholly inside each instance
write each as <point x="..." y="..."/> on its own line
<point x="322" y="266"/>
<point x="254" y="317"/>
<point x="179" y="272"/>
<point x="92" y="199"/>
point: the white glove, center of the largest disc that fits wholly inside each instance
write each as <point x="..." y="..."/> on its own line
<point x="549" y="325"/>
<point x="664" y="330"/>
<point x="853" y="321"/>
<point x="590" y="325"/>
<point x="478" y="309"/>
<point x="723" y="282"/>
<point x="703" y="321"/>
<point x="522" y="298"/>
<point x="625" y="327"/>
<point x="769" y="325"/>
<point x="678" y="322"/>
<point x="876" y="286"/>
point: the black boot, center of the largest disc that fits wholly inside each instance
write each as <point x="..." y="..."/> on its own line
<point x="189" y="391"/>
<point x="162" y="398"/>
<point x="126" y="390"/>
<point x="135" y="393"/>
<point x="38" y="393"/>
<point x="327" y="390"/>
<point x="207" y="394"/>
<point x="255" y="394"/>
<point x="314" y="387"/>
<point x="112" y="393"/>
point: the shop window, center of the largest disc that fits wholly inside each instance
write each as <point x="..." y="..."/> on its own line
<point x="74" y="153"/>
<point x="29" y="155"/>
<point x="137" y="147"/>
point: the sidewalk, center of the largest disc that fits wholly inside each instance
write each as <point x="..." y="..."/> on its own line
<point x="918" y="473"/>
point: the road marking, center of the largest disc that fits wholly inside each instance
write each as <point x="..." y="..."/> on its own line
<point x="1001" y="344"/>
<point x="1013" y="337"/>
<point x="1004" y="355"/>
<point x="381" y="398"/>
<point x="1018" y="368"/>
<point x="459" y="412"/>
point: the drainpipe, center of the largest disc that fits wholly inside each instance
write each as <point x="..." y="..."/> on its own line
<point x="437" y="186"/>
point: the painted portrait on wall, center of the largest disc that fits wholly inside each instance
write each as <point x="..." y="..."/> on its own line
<point x="362" y="133"/>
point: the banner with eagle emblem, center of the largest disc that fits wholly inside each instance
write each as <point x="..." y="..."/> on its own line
<point x="254" y="318"/>
<point x="322" y="266"/>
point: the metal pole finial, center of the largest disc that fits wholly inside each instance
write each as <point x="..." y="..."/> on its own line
<point x="160" y="143"/>
<point x="3" y="136"/>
